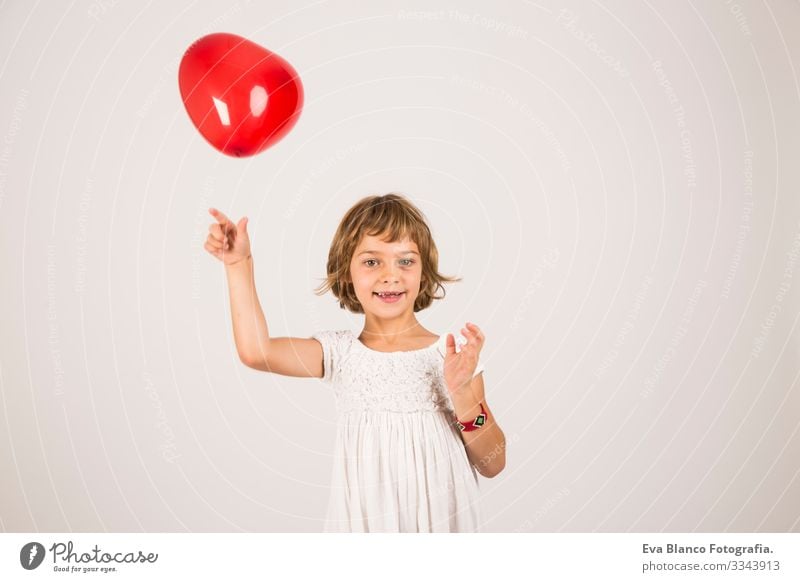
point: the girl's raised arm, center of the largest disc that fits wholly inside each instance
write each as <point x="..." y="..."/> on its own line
<point x="298" y="357"/>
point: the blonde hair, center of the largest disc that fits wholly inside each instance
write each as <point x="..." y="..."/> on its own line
<point x="395" y="217"/>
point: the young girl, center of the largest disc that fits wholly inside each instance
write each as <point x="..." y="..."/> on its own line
<point x="413" y="423"/>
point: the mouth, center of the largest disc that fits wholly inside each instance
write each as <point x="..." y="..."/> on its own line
<point x="390" y="296"/>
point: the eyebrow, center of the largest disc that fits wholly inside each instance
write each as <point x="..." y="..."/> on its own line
<point x="378" y="253"/>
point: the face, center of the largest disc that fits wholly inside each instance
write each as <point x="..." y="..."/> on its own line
<point x="378" y="266"/>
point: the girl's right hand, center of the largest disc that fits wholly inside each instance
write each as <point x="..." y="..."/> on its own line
<point x="227" y="241"/>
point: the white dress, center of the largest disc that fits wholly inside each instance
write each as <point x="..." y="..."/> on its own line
<point x="399" y="463"/>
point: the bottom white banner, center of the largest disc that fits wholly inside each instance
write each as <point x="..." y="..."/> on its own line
<point x="513" y="556"/>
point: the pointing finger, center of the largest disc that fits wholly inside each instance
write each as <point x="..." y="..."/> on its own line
<point x="221" y="218"/>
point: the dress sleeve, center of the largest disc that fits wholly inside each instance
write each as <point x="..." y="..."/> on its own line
<point x="331" y="342"/>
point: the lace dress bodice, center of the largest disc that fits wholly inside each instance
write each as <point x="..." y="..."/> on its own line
<point x="364" y="379"/>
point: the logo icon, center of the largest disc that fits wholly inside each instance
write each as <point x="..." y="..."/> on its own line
<point x="31" y="555"/>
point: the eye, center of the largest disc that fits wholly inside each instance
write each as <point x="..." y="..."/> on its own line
<point x="404" y="262"/>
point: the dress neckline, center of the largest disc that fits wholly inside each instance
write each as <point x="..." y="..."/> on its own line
<point x="369" y="349"/>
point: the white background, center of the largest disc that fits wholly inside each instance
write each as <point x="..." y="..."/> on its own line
<point x="617" y="184"/>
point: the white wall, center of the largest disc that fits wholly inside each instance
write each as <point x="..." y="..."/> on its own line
<point x="615" y="182"/>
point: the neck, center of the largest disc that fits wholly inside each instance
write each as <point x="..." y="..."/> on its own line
<point x="390" y="330"/>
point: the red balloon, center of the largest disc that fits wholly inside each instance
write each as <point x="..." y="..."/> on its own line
<point x="240" y="96"/>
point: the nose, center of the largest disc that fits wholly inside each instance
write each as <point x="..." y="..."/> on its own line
<point x="389" y="274"/>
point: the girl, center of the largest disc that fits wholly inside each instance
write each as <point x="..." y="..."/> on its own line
<point x="413" y="424"/>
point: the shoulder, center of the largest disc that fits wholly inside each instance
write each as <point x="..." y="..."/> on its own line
<point x="334" y="339"/>
<point x="335" y="347"/>
<point x="338" y="335"/>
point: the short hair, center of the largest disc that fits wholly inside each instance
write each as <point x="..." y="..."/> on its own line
<point x="393" y="217"/>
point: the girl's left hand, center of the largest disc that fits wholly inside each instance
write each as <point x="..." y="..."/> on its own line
<point x="459" y="367"/>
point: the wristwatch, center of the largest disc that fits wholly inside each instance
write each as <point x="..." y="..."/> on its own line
<point x="479" y="421"/>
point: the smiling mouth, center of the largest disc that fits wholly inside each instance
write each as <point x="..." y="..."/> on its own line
<point x="394" y="295"/>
